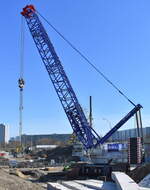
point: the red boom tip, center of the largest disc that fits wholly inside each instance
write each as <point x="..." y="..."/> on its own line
<point x="28" y="10"/>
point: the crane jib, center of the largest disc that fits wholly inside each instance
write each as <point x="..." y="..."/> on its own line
<point x="87" y="135"/>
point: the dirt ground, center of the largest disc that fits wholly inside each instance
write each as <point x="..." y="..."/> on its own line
<point x="9" y="182"/>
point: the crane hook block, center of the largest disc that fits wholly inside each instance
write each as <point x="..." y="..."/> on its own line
<point x="21" y="83"/>
<point x="28" y="10"/>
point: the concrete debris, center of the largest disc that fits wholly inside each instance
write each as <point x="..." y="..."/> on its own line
<point x="82" y="184"/>
<point x="124" y="182"/>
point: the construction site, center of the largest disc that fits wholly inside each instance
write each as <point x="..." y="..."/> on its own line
<point x="94" y="154"/>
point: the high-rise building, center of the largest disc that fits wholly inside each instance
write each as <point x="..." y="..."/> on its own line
<point x="4" y="135"/>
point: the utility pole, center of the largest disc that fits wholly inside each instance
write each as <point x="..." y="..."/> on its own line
<point x="21" y="81"/>
<point x="21" y="86"/>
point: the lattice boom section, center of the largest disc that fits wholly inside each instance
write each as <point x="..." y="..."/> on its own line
<point x="68" y="99"/>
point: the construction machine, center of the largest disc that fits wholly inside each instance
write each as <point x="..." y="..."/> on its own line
<point x="74" y="112"/>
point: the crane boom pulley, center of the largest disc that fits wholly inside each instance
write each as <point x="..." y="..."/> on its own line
<point x="87" y="135"/>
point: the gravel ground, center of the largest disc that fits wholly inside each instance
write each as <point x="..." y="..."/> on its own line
<point x="9" y="182"/>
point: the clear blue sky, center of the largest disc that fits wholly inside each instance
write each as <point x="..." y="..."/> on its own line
<point x="114" y="34"/>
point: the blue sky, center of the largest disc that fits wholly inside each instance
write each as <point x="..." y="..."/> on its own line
<point x="113" y="34"/>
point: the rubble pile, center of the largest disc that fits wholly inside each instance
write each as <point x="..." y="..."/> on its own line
<point x="60" y="154"/>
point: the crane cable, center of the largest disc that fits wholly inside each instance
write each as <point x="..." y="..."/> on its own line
<point x="86" y="59"/>
<point x="21" y="80"/>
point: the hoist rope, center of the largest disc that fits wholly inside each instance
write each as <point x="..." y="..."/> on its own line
<point x="87" y="60"/>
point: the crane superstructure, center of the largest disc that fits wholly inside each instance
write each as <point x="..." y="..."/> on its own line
<point x="87" y="135"/>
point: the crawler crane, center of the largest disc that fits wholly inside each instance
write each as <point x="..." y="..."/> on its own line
<point x="79" y="123"/>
